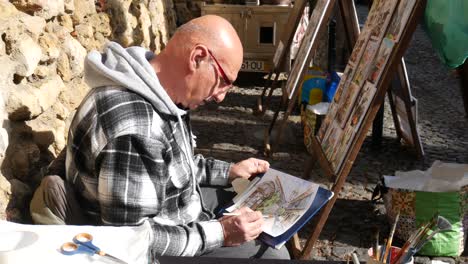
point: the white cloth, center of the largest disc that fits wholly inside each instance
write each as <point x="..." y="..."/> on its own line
<point x="440" y="177"/>
<point x="41" y="243"/>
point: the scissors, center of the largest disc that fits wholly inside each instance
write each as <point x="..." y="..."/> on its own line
<point x="82" y="243"/>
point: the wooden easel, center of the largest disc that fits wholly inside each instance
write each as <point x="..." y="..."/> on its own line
<point x="280" y="56"/>
<point x="339" y="173"/>
<point x="320" y="15"/>
<point x="289" y="93"/>
<point x="403" y="106"/>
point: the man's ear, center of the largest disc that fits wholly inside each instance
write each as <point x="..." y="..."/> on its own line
<point x="197" y="55"/>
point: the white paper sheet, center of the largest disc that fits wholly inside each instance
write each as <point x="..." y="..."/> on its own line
<point x="41" y="243"/>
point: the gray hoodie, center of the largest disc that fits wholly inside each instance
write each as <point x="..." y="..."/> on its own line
<point x="128" y="117"/>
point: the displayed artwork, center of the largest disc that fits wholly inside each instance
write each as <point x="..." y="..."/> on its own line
<point x="366" y="61"/>
<point x="362" y="75"/>
<point x="399" y="19"/>
<point x="359" y="47"/>
<point x="303" y="54"/>
<point x="382" y="17"/>
<point x="347" y="104"/>
<point x="363" y="102"/>
<point x="346" y="78"/>
<point x="381" y="59"/>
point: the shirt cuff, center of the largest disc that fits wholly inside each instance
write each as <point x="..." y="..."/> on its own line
<point x="223" y="179"/>
<point x="214" y="234"/>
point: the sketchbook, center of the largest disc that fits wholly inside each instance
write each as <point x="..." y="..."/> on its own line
<point x="290" y="202"/>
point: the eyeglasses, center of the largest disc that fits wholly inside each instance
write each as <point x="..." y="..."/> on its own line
<point x="223" y="73"/>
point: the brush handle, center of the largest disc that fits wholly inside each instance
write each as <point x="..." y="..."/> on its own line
<point x="408" y="255"/>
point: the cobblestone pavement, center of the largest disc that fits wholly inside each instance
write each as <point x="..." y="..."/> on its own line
<point x="231" y="132"/>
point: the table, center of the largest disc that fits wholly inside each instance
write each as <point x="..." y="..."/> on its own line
<point x="201" y="260"/>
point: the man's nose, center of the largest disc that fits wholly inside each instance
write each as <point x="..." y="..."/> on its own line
<point x="219" y="97"/>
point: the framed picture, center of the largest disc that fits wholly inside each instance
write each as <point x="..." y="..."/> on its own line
<point x="308" y="43"/>
<point x="346" y="78"/>
<point x="381" y="60"/>
<point x="367" y="59"/>
<point x="347" y="104"/>
<point x="382" y="18"/>
<point x="363" y="103"/>
<point x="359" y="48"/>
<point x="400" y="19"/>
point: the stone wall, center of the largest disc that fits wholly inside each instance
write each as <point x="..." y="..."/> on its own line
<point x="42" y="48"/>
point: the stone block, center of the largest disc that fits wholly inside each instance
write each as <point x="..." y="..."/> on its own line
<point x="25" y="51"/>
<point x="45" y="9"/>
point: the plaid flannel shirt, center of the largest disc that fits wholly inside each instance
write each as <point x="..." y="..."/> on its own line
<point x="126" y="166"/>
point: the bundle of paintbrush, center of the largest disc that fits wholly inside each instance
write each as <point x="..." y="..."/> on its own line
<point x="420" y="237"/>
<point x="382" y="254"/>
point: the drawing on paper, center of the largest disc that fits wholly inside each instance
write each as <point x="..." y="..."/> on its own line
<point x="283" y="197"/>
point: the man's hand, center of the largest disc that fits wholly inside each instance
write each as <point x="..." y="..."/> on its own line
<point x="247" y="168"/>
<point x="239" y="229"/>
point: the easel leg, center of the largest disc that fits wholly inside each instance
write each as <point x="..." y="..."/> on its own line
<point x="260" y="100"/>
<point x="296" y="246"/>
<point x="268" y="148"/>
<point x="377" y="126"/>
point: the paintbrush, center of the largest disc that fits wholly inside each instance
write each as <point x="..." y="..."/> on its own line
<point x="414" y="239"/>
<point x="375" y="249"/>
<point x="407" y="243"/>
<point x="390" y="238"/>
<point x="441" y="226"/>
<point x="381" y="253"/>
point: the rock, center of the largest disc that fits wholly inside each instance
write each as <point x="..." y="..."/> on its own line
<point x="33" y="25"/>
<point x="22" y="103"/>
<point x="94" y="32"/>
<point x="21" y="194"/>
<point x="144" y="20"/>
<point x="129" y="22"/>
<point x="45" y="9"/>
<point x="7" y="71"/>
<point x="71" y="96"/>
<point x="48" y="130"/>
<point x="76" y="54"/>
<point x="7" y="10"/>
<point x="63" y="67"/>
<point x="69" y="6"/>
<point x="183" y="13"/>
<point x="5" y="193"/>
<point x="3" y="142"/>
<point x="122" y="21"/>
<point x="49" y="44"/>
<point x="24" y="157"/>
<point x="26" y="101"/>
<point x="163" y="23"/>
<point x="85" y="35"/>
<point x="24" y="51"/>
<point x="66" y="21"/>
<point x="83" y="8"/>
<point x="14" y="215"/>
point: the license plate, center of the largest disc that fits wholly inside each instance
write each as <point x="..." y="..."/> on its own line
<point x="254" y="66"/>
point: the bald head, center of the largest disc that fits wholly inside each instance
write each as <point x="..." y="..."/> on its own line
<point x="200" y="62"/>
<point x="213" y="31"/>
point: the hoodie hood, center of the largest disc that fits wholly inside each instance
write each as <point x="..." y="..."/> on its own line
<point x="130" y="68"/>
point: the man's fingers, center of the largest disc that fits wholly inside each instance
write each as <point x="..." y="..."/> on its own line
<point x="244" y="210"/>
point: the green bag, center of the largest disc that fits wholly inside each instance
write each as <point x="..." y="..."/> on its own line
<point x="447" y="26"/>
<point x="418" y="207"/>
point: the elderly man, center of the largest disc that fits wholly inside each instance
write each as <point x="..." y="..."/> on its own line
<point x="130" y="146"/>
